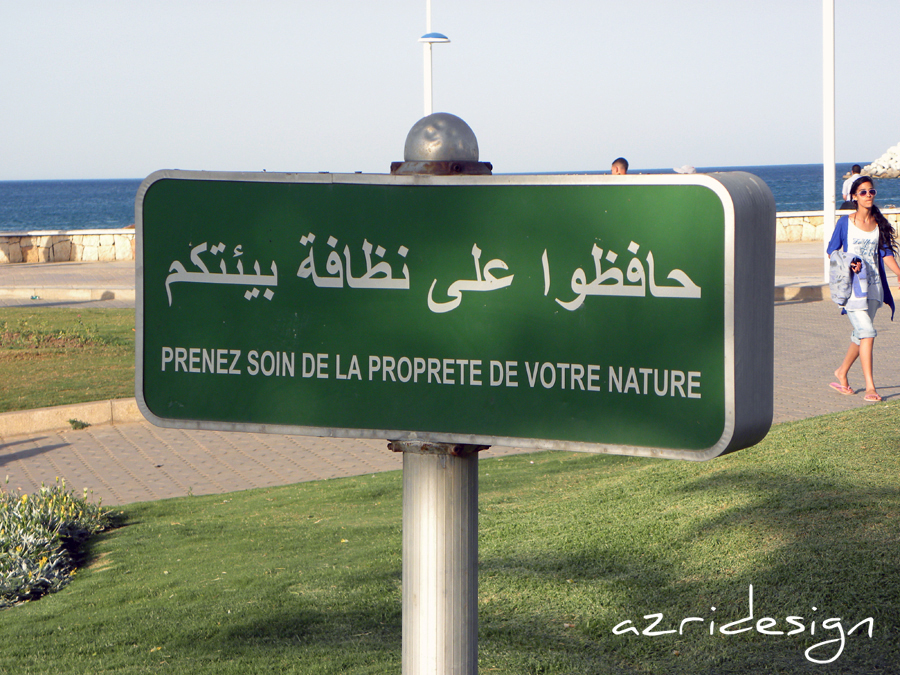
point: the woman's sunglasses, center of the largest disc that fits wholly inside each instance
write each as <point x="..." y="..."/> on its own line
<point x="863" y="193"/>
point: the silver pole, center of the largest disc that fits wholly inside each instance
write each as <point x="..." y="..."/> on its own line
<point x="828" y="123"/>
<point x="440" y="480"/>
<point x="440" y="558"/>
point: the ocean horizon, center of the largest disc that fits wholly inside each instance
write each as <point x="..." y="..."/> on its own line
<point x="33" y="205"/>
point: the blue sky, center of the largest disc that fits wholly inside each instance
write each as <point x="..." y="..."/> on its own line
<point x="119" y="88"/>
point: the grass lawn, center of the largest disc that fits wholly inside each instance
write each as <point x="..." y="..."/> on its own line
<point x="55" y="356"/>
<point x="306" y="578"/>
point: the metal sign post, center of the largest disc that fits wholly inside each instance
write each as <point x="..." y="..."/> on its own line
<point x="440" y="557"/>
<point x="440" y="480"/>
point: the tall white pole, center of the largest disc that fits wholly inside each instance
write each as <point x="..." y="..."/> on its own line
<point x="429" y="100"/>
<point x="427" y="40"/>
<point x="429" y="97"/>
<point x="828" y="134"/>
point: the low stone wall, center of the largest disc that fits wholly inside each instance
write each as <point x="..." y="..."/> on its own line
<point x="67" y="246"/>
<point x="807" y="225"/>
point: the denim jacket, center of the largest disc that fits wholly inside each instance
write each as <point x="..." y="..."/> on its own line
<point x="839" y="240"/>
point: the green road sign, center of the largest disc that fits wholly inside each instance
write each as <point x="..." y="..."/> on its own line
<point x="630" y="315"/>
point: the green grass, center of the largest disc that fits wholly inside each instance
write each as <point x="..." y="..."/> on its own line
<point x="57" y="356"/>
<point x="306" y="578"/>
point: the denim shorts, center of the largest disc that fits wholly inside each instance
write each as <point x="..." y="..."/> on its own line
<point x="862" y="322"/>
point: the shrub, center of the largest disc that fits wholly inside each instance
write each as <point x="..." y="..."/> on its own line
<point x="40" y="536"/>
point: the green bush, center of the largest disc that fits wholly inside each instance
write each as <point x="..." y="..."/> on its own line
<point x="40" y="537"/>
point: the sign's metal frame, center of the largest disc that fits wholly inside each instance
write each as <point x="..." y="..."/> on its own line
<point x="749" y="213"/>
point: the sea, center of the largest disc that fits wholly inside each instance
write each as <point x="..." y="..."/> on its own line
<point x="109" y="204"/>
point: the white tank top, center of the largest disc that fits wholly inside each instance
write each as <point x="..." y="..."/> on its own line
<point x="865" y="245"/>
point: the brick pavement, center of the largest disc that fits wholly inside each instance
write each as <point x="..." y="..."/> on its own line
<point x="131" y="462"/>
<point x="811" y="339"/>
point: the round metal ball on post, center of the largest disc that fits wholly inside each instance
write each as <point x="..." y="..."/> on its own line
<point x="441" y="144"/>
<point x="440" y="480"/>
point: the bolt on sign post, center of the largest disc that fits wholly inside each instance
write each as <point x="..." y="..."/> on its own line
<point x="629" y="315"/>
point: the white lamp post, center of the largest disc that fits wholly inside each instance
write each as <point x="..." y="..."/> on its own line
<point x="828" y="134"/>
<point x="429" y="39"/>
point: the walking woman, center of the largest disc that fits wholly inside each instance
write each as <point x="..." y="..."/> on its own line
<point x="868" y="235"/>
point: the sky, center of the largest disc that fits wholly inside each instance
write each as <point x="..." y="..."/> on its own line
<point x="120" y="88"/>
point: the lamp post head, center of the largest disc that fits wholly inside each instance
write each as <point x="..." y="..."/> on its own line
<point x="434" y="38"/>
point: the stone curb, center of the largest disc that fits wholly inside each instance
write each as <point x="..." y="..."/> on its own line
<point x="67" y="293"/>
<point x="24" y="422"/>
<point x="802" y="293"/>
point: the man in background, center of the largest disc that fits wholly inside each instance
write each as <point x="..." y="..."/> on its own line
<point x="620" y="167"/>
<point x="854" y="174"/>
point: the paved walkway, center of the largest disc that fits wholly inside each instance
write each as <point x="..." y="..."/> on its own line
<point x="799" y="273"/>
<point x="128" y="462"/>
<point x="82" y="284"/>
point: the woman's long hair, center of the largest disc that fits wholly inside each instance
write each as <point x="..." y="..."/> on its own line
<point x="886" y="237"/>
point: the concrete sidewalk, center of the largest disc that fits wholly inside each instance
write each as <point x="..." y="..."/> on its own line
<point x="126" y="461"/>
<point x="799" y="275"/>
<point x="102" y="284"/>
<point x="800" y="272"/>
